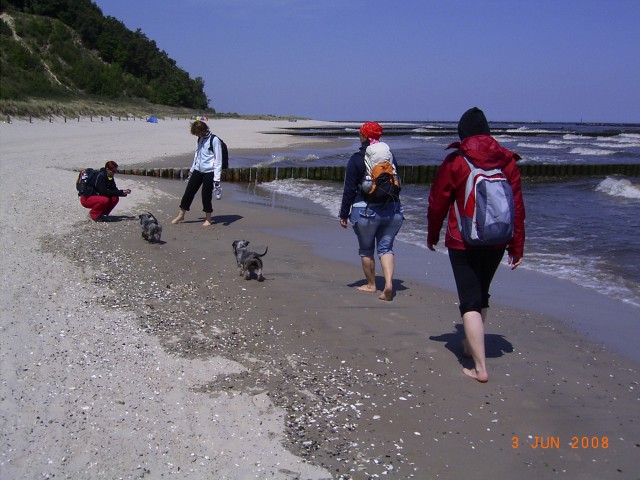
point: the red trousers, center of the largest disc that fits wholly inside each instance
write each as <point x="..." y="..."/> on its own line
<point x="99" y="205"/>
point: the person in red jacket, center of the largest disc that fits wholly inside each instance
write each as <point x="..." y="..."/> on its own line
<point x="473" y="266"/>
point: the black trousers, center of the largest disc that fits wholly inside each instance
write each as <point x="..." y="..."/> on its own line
<point x="197" y="180"/>
<point x="473" y="271"/>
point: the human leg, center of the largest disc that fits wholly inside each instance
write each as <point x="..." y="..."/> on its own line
<point x="385" y="236"/>
<point x="466" y="352"/>
<point x="474" y="332"/>
<point x="179" y="218"/>
<point x="369" y="269"/>
<point x="364" y="226"/>
<point x="388" y="264"/>
<point x="486" y="263"/>
<point x="113" y="201"/>
<point x="97" y="205"/>
<point x="469" y="288"/>
<point x="194" y="183"/>
<point x="207" y="193"/>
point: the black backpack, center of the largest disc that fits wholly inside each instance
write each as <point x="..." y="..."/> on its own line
<point x="225" y="151"/>
<point x="86" y="181"/>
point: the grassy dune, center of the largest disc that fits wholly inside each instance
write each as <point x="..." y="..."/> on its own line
<point x="45" y="108"/>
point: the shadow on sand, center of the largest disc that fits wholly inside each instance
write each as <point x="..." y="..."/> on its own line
<point x="495" y="345"/>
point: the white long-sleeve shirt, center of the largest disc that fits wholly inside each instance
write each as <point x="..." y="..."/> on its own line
<point x="207" y="159"/>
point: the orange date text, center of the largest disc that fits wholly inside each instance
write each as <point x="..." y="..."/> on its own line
<point x="546" y="442"/>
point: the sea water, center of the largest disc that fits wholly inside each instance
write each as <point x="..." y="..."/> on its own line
<point x="584" y="230"/>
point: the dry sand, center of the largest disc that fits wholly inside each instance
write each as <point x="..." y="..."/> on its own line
<point x="122" y="359"/>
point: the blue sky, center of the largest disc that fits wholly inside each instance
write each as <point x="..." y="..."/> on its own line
<point x="547" y="60"/>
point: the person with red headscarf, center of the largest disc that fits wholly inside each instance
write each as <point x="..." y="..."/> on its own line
<point x="375" y="224"/>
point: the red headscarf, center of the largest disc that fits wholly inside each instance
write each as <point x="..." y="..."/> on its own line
<point x="371" y="130"/>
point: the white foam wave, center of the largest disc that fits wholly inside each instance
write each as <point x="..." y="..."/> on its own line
<point x="528" y="130"/>
<point x="619" y="187"/>
<point x="562" y="142"/>
<point x="275" y="159"/>
<point x="585" y="272"/>
<point x="427" y="139"/>
<point x="590" y="151"/>
<point x="607" y="145"/>
<point x="539" y="145"/>
<point x="620" y="141"/>
<point x="570" y="136"/>
<point x="505" y="138"/>
<point x="318" y="192"/>
<point x="427" y="129"/>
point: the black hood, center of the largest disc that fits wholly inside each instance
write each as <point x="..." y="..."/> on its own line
<point x="473" y="122"/>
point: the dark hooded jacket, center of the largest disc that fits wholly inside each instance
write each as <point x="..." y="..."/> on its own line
<point x="449" y="185"/>
<point x="106" y="186"/>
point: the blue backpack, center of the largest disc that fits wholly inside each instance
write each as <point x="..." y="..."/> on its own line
<point x="488" y="212"/>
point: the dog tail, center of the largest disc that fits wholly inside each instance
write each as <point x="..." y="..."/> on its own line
<point x="152" y="216"/>
<point x="263" y="254"/>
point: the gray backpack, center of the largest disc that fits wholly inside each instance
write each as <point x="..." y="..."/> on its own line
<point x="488" y="210"/>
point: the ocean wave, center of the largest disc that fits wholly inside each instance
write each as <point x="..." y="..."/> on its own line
<point x="585" y="272"/>
<point x="619" y="187"/>
<point x="590" y="151"/>
<point x="427" y="139"/>
<point x="616" y="146"/>
<point x="505" y="138"/>
<point x="538" y="145"/>
<point x="427" y="129"/>
<point x="571" y="136"/>
<point x="321" y="193"/>
<point x="275" y="159"/>
<point x="624" y="140"/>
<point x="563" y="142"/>
<point x="528" y="130"/>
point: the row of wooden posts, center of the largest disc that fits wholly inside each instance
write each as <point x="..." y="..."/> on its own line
<point x="418" y="174"/>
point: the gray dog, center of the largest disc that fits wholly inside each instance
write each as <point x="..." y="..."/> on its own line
<point x="151" y="229"/>
<point x="248" y="262"/>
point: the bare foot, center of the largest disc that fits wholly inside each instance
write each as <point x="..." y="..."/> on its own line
<point x="386" y="295"/>
<point x="466" y="353"/>
<point x="367" y="288"/>
<point x="480" y="377"/>
<point x="207" y="223"/>
<point x="178" y="219"/>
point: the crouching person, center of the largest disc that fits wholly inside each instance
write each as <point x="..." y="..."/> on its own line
<point x="101" y="194"/>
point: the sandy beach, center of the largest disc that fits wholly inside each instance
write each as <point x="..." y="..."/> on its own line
<point x="122" y="359"/>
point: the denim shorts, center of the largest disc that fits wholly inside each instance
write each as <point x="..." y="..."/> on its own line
<point x="376" y="226"/>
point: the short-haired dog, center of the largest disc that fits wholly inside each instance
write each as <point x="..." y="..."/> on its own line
<point x="151" y="228"/>
<point x="248" y="262"/>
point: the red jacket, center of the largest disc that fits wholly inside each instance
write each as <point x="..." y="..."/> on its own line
<point x="484" y="152"/>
